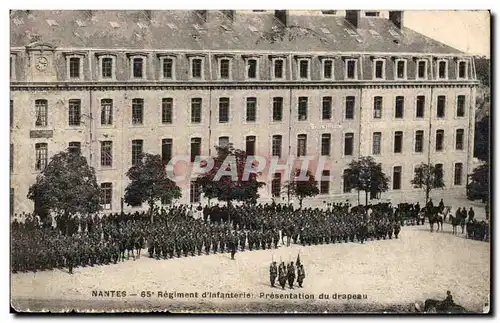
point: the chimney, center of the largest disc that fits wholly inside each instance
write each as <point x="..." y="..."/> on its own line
<point x="203" y="14"/>
<point x="229" y="14"/>
<point x="397" y="18"/>
<point x="353" y="17"/>
<point x="282" y="16"/>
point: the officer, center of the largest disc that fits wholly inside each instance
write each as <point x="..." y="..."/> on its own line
<point x="273" y="272"/>
<point x="233" y="245"/>
<point x="301" y="274"/>
<point x="282" y="275"/>
<point x="291" y="274"/>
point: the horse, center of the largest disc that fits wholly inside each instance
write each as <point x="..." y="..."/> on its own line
<point x="437" y="306"/>
<point x="434" y="217"/>
<point x="139" y="244"/>
<point x="455" y="222"/>
<point x="130" y="242"/>
<point x="446" y="212"/>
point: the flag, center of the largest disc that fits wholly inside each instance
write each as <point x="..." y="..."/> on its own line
<point x="298" y="259"/>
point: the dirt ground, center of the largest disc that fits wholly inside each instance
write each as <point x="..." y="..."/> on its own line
<point x="384" y="274"/>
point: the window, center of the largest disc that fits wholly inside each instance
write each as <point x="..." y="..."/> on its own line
<point x="276" y="145"/>
<point x="326" y="111"/>
<point x="251" y="110"/>
<point x="347" y="187"/>
<point x="302" y="108"/>
<point x="377" y="107"/>
<point x="401" y="69"/>
<point x="441" y="106"/>
<point x="442" y="69"/>
<point x="458" y="174"/>
<point x="301" y="145"/>
<point x="420" y="106"/>
<point x="349" y="107"/>
<point x="252" y="68"/>
<point x="224" y="68"/>
<point x="74" y="112"/>
<point x="419" y="141"/>
<point x="223" y="110"/>
<point x="106" y="112"/>
<point x="351" y="69"/>
<point x="12" y="67"/>
<point x="400" y="107"/>
<point x="276" y="185"/>
<point x="11" y="157"/>
<point x="168" y="68"/>
<point x="136" y="151"/>
<point x="74" y="67"/>
<point x="439" y="140"/>
<point x="106" y="153"/>
<point x="196" y="110"/>
<point x="439" y="175"/>
<point x="106" y="195"/>
<point x="75" y="147"/>
<point x="459" y="141"/>
<point x="376" y="144"/>
<point x="461" y="106"/>
<point x="328" y="69"/>
<point x="422" y="69"/>
<point x="223" y="141"/>
<point x="462" y="69"/>
<point x="166" y="150"/>
<point x="107" y="67"/>
<point x="379" y="69"/>
<point x="12" y="199"/>
<point x="41" y="107"/>
<point x="195" y="148"/>
<point x="325" y="144"/>
<point x="196" y="68"/>
<point x="40" y="156"/>
<point x="304" y="69"/>
<point x="167" y="110"/>
<point x="324" y="186"/>
<point x="138" y="67"/>
<point x="194" y="192"/>
<point x="137" y="111"/>
<point x="277" y="109"/>
<point x="11" y="113"/>
<point x="349" y="144"/>
<point x="398" y="141"/>
<point x="250" y="145"/>
<point x="396" y="178"/>
<point x="278" y="68"/>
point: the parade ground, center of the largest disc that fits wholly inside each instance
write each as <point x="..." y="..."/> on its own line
<point x="378" y="275"/>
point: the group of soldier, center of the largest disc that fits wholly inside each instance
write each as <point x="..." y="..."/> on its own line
<point x="172" y="233"/>
<point x="286" y="273"/>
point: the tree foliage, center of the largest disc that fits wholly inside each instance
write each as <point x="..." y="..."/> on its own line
<point x="67" y="186"/>
<point x="482" y="139"/>
<point x="479" y="187"/>
<point x="227" y="188"/>
<point x="149" y="183"/>
<point x="366" y="175"/>
<point x="427" y="177"/>
<point x="300" y="188"/>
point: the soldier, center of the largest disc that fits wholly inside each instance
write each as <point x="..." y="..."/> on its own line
<point x="301" y="274"/>
<point x="242" y="239"/>
<point x="215" y="242"/>
<point x="397" y="228"/>
<point x="291" y="274"/>
<point x="269" y="239"/>
<point x="273" y="272"/>
<point x="206" y="242"/>
<point x="471" y="214"/>
<point x="276" y="238"/>
<point x="441" y="206"/>
<point x="282" y="275"/>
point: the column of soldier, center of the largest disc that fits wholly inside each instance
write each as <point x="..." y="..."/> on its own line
<point x="286" y="273"/>
<point x="89" y="241"/>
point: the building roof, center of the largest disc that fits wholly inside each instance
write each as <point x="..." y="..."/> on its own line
<point x="182" y="29"/>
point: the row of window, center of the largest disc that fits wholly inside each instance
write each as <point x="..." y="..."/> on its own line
<point x="138" y="64"/>
<point x="167" y="109"/>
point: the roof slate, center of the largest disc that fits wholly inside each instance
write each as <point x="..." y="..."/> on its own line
<point x="131" y="29"/>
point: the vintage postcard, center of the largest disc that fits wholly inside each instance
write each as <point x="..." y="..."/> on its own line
<point x="250" y="161"/>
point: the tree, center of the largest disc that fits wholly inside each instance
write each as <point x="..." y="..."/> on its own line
<point x="67" y="186"/>
<point x="149" y="183"/>
<point x="427" y="177"/>
<point x="226" y="187"/>
<point x="479" y="187"/>
<point x="482" y="139"/>
<point x="300" y="188"/>
<point x="366" y="175"/>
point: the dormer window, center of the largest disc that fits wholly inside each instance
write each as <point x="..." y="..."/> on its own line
<point x="196" y="70"/>
<point x="224" y="68"/>
<point x="74" y="66"/>
<point x="327" y="69"/>
<point x="422" y="69"/>
<point x="350" y="69"/>
<point x="278" y="65"/>
<point x="167" y="64"/>
<point x="442" y="69"/>
<point x="462" y="69"/>
<point x="379" y="69"/>
<point x="304" y="68"/>
<point x="138" y="67"/>
<point x="252" y="68"/>
<point x="401" y="69"/>
<point x="107" y="67"/>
